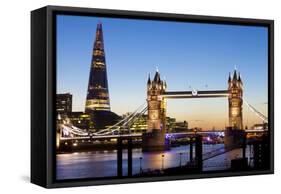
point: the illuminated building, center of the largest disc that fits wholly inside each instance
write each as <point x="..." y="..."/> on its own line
<point x="262" y="126"/>
<point x="97" y="101"/>
<point x="97" y="95"/>
<point x="170" y="124"/>
<point x="81" y="120"/>
<point x="235" y="98"/>
<point x="140" y="124"/>
<point x="183" y="124"/>
<point x="64" y="103"/>
<point x="180" y="127"/>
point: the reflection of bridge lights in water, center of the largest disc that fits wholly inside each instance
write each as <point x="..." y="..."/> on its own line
<point x="99" y="164"/>
<point x="163" y="161"/>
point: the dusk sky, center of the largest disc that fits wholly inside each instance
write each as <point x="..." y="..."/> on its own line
<point x="188" y="55"/>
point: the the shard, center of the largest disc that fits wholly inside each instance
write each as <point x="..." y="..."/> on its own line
<point x="97" y="94"/>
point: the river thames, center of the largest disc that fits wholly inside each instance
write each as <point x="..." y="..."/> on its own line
<point x="97" y="164"/>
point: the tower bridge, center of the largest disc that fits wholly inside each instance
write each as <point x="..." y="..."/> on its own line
<point x="157" y="96"/>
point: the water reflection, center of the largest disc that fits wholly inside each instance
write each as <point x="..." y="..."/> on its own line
<point x="104" y="164"/>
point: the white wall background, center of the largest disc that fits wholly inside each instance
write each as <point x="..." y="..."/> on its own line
<point x="15" y="94"/>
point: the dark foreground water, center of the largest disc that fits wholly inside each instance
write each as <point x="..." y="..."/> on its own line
<point x="104" y="163"/>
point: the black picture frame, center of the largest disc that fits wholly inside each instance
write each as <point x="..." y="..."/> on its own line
<point x="43" y="90"/>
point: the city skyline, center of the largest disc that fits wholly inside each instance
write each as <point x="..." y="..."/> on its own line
<point x="190" y="55"/>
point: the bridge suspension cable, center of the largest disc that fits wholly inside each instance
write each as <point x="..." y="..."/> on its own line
<point x="118" y="125"/>
<point x="258" y="113"/>
<point x="137" y="116"/>
<point x="68" y="129"/>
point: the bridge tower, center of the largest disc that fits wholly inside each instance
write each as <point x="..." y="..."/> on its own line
<point x="235" y="100"/>
<point x="156" y="104"/>
<point x="154" y="139"/>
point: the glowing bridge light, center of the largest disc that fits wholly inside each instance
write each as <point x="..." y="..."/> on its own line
<point x="168" y="136"/>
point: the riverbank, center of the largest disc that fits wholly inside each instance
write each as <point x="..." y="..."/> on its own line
<point x="100" y="146"/>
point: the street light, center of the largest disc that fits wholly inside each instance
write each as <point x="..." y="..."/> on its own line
<point x="180" y="159"/>
<point x="163" y="161"/>
<point x="140" y="165"/>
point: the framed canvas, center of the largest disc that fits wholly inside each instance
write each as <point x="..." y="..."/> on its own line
<point x="126" y="96"/>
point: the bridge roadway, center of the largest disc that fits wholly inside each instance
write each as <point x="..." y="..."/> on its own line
<point x="139" y="135"/>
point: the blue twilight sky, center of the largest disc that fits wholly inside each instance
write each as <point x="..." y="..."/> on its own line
<point x="193" y="55"/>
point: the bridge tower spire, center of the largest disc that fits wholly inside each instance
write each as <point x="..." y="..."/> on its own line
<point x="235" y="101"/>
<point x="98" y="95"/>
